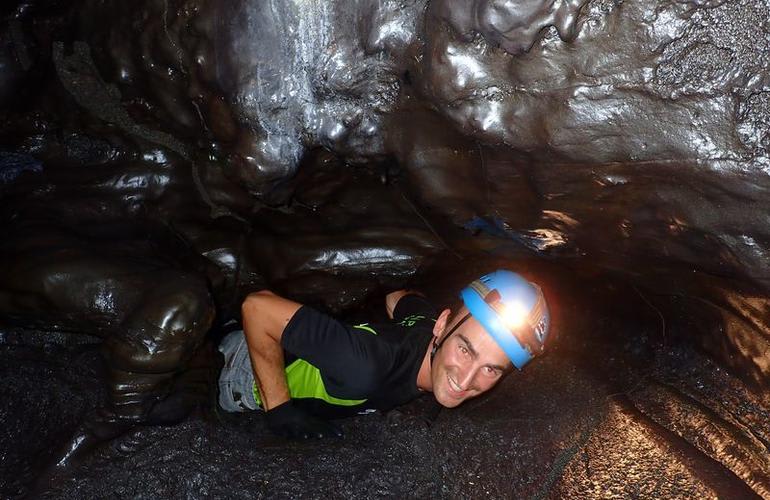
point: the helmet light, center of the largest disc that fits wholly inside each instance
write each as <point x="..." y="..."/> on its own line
<point x="513" y="315"/>
<point x="512" y="310"/>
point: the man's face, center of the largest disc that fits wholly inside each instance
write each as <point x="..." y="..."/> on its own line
<point x="469" y="363"/>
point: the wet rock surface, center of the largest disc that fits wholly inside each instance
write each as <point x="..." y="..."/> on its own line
<point x="646" y="421"/>
<point x="161" y="159"/>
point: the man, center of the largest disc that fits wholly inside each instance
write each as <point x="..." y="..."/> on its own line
<point x="301" y="366"/>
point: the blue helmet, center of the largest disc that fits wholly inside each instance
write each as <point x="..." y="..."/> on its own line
<point x="513" y="311"/>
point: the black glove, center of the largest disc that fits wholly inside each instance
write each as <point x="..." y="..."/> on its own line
<point x="290" y="421"/>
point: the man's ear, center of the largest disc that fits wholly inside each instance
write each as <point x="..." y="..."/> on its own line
<point x="441" y="322"/>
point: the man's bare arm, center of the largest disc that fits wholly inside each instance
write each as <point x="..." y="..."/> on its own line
<point x="265" y="316"/>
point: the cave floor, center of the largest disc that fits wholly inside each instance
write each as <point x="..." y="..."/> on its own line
<point x="673" y="425"/>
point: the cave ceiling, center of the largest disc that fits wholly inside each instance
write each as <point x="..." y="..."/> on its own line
<point x="333" y="149"/>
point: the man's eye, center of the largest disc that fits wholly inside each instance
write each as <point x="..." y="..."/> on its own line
<point x="463" y="349"/>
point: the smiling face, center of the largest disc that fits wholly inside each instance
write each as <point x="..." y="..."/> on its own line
<point x="468" y="364"/>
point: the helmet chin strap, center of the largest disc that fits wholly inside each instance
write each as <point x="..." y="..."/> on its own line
<point x="437" y="344"/>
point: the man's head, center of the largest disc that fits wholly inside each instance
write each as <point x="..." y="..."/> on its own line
<point x="503" y="322"/>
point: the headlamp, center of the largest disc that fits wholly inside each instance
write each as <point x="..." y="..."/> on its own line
<point x="514" y="316"/>
<point x="511" y="310"/>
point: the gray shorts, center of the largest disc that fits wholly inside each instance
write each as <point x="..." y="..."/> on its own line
<point x="236" y="380"/>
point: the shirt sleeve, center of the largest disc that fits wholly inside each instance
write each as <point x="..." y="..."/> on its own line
<point x="413" y="307"/>
<point x="350" y="360"/>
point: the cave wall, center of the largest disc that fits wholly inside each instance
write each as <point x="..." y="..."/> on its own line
<point x="326" y="146"/>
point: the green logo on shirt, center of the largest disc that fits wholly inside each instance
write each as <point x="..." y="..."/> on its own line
<point x="411" y="320"/>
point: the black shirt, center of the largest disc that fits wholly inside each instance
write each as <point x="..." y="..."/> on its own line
<point x="361" y="366"/>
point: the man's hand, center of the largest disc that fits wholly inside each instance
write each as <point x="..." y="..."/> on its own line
<point x="292" y="422"/>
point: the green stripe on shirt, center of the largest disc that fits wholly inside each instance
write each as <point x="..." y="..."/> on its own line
<point x="304" y="381"/>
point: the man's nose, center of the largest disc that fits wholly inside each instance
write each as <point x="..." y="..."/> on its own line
<point x="467" y="375"/>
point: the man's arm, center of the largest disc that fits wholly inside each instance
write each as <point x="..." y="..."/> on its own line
<point x="391" y="299"/>
<point x="265" y="316"/>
